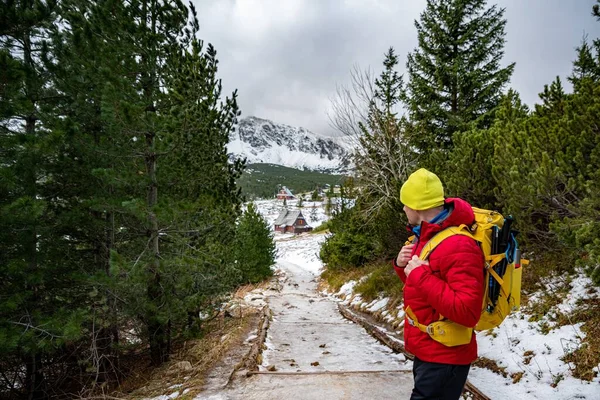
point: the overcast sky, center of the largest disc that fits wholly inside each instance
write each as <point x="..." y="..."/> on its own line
<point x="286" y="57"/>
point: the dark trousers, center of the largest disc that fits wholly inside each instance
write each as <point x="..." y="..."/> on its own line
<point x="438" y="381"/>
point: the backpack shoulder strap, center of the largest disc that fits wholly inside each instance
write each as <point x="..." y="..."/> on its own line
<point x="441" y="236"/>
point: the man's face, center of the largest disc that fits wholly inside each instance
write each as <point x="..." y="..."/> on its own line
<point x="412" y="215"/>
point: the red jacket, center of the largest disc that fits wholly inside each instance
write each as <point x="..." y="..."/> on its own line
<point x="452" y="285"/>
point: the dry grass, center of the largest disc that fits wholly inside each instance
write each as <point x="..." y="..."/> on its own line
<point x="220" y="335"/>
<point x="544" y="265"/>
<point x="551" y="297"/>
<point x="483" y="362"/>
<point x="382" y="281"/>
<point x="242" y="291"/>
<point x="587" y="356"/>
<point x="335" y="279"/>
<point x="527" y="356"/>
<point x="516" y="376"/>
<point x="202" y="354"/>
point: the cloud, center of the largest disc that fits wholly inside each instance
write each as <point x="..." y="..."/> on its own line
<point x="286" y="57"/>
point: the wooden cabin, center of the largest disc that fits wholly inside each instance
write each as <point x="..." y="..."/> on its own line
<point x="290" y="221"/>
<point x="285" y="193"/>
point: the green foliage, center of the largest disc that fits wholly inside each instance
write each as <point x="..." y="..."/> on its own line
<point x="471" y="163"/>
<point x="117" y="198"/>
<point x="540" y="165"/>
<point x="383" y="158"/>
<point x="455" y="76"/>
<point x="350" y="245"/>
<point x="585" y="68"/>
<point x="263" y="180"/>
<point x="315" y="195"/>
<point x="381" y="281"/>
<point x="546" y="172"/>
<point x="254" y="247"/>
<point x="471" y="168"/>
<point x="321" y="228"/>
<point x="41" y="301"/>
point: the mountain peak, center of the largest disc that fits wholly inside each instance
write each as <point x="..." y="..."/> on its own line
<point x="263" y="141"/>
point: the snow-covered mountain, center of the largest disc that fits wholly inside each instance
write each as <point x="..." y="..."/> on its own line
<point x="263" y="141"/>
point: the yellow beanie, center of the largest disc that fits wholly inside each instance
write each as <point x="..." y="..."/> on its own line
<point x="422" y="190"/>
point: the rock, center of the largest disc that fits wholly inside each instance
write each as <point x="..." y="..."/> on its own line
<point x="314" y="364"/>
<point x="235" y="310"/>
<point x="271" y="368"/>
<point x="181" y="366"/>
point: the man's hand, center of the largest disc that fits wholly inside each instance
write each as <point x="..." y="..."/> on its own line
<point x="415" y="262"/>
<point x="404" y="255"/>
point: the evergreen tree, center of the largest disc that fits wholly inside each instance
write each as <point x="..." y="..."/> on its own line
<point x="350" y="187"/>
<point x="330" y="192"/>
<point x="351" y="243"/>
<point x="455" y="75"/>
<point x="315" y="195"/>
<point x="585" y="66"/>
<point x="328" y="206"/>
<point x="472" y="158"/>
<point x="114" y="184"/>
<point x="254" y="247"/>
<point x="383" y="158"/>
<point x="182" y="212"/>
<point x="39" y="311"/>
<point x="313" y="214"/>
<point x="550" y="185"/>
<point x="91" y="174"/>
<point x="203" y="200"/>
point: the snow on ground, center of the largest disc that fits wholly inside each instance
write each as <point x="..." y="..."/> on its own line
<point x="519" y="346"/>
<point x="522" y="347"/>
<point x="313" y="211"/>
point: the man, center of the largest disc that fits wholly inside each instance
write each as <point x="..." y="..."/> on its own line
<point x="449" y="283"/>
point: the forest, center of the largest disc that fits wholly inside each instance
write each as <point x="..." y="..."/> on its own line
<point x="119" y="208"/>
<point x="122" y="220"/>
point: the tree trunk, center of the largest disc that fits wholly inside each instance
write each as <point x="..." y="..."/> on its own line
<point x="34" y="378"/>
<point x="159" y="331"/>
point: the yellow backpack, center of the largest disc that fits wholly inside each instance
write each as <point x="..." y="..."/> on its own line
<point x="502" y="276"/>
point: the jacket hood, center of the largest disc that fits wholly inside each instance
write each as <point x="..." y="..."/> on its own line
<point x="460" y="212"/>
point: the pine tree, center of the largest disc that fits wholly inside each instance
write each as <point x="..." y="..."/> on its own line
<point x="186" y="202"/>
<point x="315" y="195"/>
<point x="115" y="183"/>
<point x="472" y="157"/>
<point x="39" y="311"/>
<point x="455" y="74"/>
<point x="203" y="200"/>
<point x="313" y="214"/>
<point x="254" y="247"/>
<point x="585" y="65"/>
<point x="87" y="61"/>
<point x="382" y="158"/>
